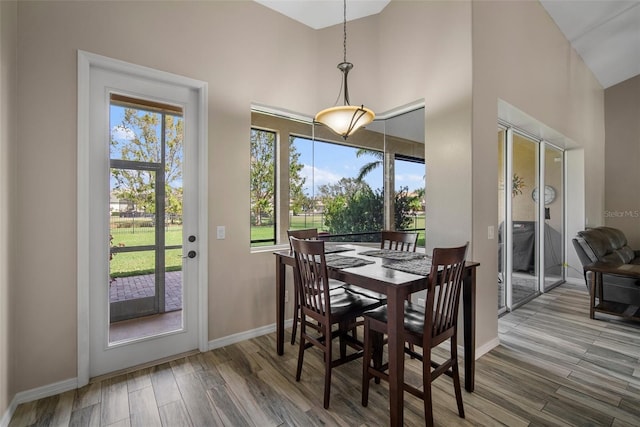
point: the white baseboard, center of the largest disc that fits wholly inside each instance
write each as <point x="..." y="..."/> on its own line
<point x="35" y="394"/>
<point x="6" y="418"/>
<point x="242" y="336"/>
<point x="487" y="347"/>
<point x="72" y="383"/>
<point x="575" y="281"/>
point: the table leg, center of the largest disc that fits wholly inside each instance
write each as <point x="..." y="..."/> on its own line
<point x="280" y="290"/>
<point x="395" y="313"/>
<point x="469" y="316"/>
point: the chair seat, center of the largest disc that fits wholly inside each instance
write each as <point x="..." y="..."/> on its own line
<point x="413" y="317"/>
<point x="366" y="292"/>
<point x="334" y="284"/>
<point x="347" y="303"/>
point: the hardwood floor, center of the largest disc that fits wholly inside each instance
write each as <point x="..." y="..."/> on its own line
<point x="554" y="367"/>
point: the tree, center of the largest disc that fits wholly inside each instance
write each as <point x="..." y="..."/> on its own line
<point x="369" y="167"/>
<point x="137" y="138"/>
<point x="358" y="211"/>
<point x="299" y="200"/>
<point x="344" y="187"/>
<point x="263" y="146"/>
<point x="263" y="166"/>
<point x="405" y="204"/>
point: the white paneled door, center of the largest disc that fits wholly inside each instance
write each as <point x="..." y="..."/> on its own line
<point x="142" y="215"/>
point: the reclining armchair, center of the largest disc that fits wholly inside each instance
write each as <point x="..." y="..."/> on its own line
<point x="612" y="270"/>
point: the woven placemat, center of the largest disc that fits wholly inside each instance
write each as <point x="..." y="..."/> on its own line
<point x="421" y="267"/>
<point x="333" y="248"/>
<point x="395" y="255"/>
<point x="341" y="261"/>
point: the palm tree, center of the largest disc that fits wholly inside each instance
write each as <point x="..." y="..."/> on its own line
<point x="368" y="167"/>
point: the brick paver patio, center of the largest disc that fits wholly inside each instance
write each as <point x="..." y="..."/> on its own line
<point x="126" y="288"/>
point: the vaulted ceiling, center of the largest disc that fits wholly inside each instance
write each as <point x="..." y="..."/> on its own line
<point x="605" y="33"/>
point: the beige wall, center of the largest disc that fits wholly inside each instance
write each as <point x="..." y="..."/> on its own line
<point x="622" y="158"/>
<point x="521" y="57"/>
<point x="8" y="76"/>
<point x="434" y="64"/>
<point x="244" y="52"/>
<point x="247" y="54"/>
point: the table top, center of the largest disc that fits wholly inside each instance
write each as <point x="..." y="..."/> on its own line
<point x="373" y="275"/>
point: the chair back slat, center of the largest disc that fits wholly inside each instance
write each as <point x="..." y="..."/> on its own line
<point x="304" y="234"/>
<point x="311" y="276"/>
<point x="398" y="240"/>
<point x="443" y="292"/>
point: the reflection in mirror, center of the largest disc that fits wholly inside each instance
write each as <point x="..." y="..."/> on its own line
<point x="304" y="176"/>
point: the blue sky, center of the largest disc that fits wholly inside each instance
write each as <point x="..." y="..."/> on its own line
<point x="327" y="163"/>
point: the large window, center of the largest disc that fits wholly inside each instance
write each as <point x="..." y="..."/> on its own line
<point x="304" y="176"/>
<point x="338" y="189"/>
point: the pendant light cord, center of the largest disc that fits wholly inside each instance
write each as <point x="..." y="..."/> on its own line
<point x="345" y="30"/>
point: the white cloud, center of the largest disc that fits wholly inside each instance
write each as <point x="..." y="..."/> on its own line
<point x="121" y="132"/>
<point x="410" y="178"/>
<point x="316" y="176"/>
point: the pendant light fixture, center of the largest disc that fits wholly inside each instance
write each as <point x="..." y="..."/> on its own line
<point x="345" y="119"/>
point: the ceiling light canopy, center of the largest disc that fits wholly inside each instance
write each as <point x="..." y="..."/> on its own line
<point x="345" y="119"/>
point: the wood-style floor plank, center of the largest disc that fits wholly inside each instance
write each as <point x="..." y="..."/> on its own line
<point x="115" y="400"/>
<point x="164" y="384"/>
<point x="554" y="367"/>
<point x="143" y="408"/>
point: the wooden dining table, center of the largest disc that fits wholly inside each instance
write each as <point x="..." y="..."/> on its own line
<point x="396" y="285"/>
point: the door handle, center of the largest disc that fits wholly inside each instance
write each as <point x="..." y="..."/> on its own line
<point x="190" y="254"/>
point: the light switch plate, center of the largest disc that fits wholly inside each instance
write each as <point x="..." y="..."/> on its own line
<point x="221" y="232"/>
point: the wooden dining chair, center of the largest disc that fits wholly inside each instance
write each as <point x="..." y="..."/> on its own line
<point x="399" y="240"/>
<point x="303" y="234"/>
<point x="426" y="328"/>
<point x="326" y="307"/>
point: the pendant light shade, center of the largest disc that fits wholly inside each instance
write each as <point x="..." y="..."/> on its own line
<point x="345" y="119"/>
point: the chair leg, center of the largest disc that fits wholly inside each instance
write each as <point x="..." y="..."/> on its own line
<point x="426" y="386"/>
<point x="343" y="328"/>
<point x="378" y="348"/>
<point x="301" y="349"/>
<point x="366" y="361"/>
<point x="456" y="378"/>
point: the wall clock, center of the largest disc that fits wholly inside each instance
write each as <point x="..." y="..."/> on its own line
<point x="549" y="194"/>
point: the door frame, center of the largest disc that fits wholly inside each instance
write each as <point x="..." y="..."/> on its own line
<point x="507" y="239"/>
<point x="86" y="61"/>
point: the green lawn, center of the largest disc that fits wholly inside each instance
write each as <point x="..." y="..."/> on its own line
<point x="143" y="262"/>
<point x="298" y="222"/>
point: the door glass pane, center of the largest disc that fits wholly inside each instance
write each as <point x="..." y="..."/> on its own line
<point x="554" y="214"/>
<point x="146" y="206"/>
<point x="502" y="294"/>
<point x="524" y="276"/>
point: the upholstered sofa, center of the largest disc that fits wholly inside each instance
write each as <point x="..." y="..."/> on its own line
<point x="609" y="245"/>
